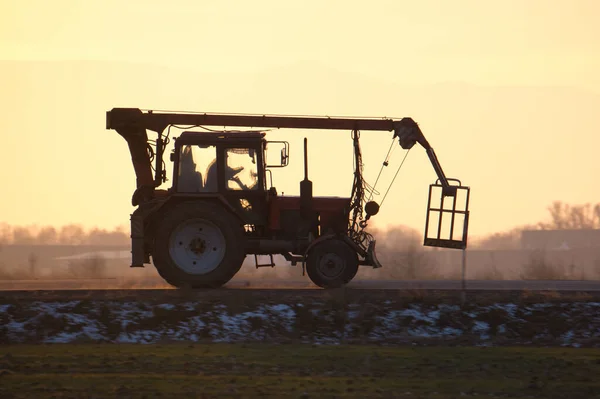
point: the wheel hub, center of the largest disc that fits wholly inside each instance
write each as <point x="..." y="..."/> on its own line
<point x="331" y="265"/>
<point x="197" y="246"/>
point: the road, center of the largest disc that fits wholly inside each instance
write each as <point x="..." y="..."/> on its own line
<point x="482" y="285"/>
<point x="444" y="285"/>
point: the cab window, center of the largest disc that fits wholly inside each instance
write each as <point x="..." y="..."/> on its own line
<point x="242" y="169"/>
<point x="195" y="163"/>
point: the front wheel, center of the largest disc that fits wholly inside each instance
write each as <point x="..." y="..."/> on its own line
<point x="331" y="264"/>
<point x="199" y="245"/>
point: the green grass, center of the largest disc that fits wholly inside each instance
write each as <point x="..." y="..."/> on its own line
<point x="223" y="370"/>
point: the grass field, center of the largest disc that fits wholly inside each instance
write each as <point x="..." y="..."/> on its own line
<point x="258" y="370"/>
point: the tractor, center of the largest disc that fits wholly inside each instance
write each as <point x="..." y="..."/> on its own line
<point x="222" y="205"/>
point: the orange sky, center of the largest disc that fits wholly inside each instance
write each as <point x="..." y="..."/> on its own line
<point x="506" y="92"/>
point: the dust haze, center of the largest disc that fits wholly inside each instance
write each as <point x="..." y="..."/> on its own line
<point x="565" y="246"/>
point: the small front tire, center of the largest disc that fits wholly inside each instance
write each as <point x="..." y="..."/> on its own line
<point x="331" y="264"/>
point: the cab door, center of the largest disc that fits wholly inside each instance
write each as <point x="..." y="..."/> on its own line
<point x="243" y="183"/>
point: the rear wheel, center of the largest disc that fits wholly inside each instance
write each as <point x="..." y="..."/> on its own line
<point x="331" y="264"/>
<point x="199" y="245"/>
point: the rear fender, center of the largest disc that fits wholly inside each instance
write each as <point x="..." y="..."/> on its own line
<point x="175" y="199"/>
<point x="157" y="213"/>
<point x="318" y="241"/>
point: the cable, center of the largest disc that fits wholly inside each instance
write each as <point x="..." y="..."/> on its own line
<point x="233" y="131"/>
<point x="357" y="194"/>
<point x="360" y="189"/>
<point x="390" y="186"/>
<point x="215" y="130"/>
<point x="384" y="164"/>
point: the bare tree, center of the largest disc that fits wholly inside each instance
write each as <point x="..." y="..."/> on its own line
<point x="565" y="216"/>
<point x="557" y="214"/>
<point x="72" y="235"/>
<point x="23" y="236"/>
<point x="5" y="234"/>
<point x="47" y="236"/>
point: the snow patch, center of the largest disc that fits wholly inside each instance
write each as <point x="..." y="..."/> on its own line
<point x="127" y="322"/>
<point x="166" y="306"/>
<point x="4" y="308"/>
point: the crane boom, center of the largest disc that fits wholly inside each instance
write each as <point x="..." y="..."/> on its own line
<point x="132" y="124"/>
<point x="158" y="121"/>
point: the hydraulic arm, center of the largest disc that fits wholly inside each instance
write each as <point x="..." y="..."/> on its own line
<point x="132" y="124"/>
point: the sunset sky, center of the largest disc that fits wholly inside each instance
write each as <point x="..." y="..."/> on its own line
<point x="507" y="92"/>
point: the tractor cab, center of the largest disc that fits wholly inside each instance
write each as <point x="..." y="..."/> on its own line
<point x="227" y="164"/>
<point x="218" y="163"/>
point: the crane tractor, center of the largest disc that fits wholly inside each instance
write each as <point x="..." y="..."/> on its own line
<point x="222" y="206"/>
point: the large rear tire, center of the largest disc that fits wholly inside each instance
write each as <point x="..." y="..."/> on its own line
<point x="331" y="264"/>
<point x="198" y="245"/>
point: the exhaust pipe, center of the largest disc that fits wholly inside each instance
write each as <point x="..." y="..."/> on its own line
<point x="306" y="189"/>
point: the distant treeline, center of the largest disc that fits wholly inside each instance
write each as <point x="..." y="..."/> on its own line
<point x="72" y="234"/>
<point x="562" y="216"/>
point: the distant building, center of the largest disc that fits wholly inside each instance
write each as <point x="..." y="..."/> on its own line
<point x="560" y="239"/>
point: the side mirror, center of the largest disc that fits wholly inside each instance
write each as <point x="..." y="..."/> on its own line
<point x="284" y="155"/>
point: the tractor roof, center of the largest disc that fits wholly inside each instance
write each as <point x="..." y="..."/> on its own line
<point x="195" y="136"/>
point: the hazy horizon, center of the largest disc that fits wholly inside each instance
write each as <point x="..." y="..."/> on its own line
<point x="509" y="108"/>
